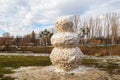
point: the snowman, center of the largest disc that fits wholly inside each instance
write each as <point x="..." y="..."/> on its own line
<point x="66" y="55"/>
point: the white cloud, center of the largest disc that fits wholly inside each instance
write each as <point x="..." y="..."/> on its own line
<point x="18" y="16"/>
<point x="106" y="7"/>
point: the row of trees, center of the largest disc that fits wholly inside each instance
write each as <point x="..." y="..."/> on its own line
<point x="43" y="39"/>
<point x="106" y="26"/>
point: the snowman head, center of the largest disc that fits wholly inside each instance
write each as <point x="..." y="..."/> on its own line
<point x="64" y="25"/>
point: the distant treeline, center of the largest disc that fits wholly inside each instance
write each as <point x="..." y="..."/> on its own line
<point x="99" y="30"/>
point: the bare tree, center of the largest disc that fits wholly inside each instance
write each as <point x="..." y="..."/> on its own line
<point x="98" y="26"/>
<point x="76" y="21"/>
<point x="90" y="24"/>
<point x="114" y="26"/>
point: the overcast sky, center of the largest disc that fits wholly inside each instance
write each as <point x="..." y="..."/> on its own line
<point x="20" y="17"/>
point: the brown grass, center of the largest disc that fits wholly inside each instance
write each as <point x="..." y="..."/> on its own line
<point x="101" y="50"/>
